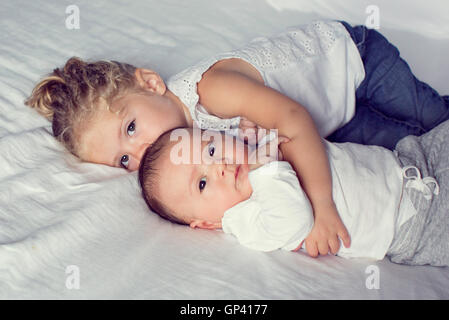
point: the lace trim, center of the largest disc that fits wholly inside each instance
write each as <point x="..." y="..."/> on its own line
<point x="294" y="45"/>
<point x="184" y="85"/>
<point x="277" y="52"/>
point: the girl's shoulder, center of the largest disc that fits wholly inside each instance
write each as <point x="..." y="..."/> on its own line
<point x="235" y="65"/>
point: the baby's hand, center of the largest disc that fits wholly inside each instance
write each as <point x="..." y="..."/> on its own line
<point x="326" y="231"/>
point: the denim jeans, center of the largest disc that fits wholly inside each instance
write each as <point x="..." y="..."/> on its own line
<point x="391" y="102"/>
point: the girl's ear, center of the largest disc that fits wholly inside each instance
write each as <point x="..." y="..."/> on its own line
<point x="150" y="80"/>
<point x="205" y="225"/>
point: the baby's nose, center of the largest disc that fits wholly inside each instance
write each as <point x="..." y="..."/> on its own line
<point x="224" y="168"/>
<point x="219" y="168"/>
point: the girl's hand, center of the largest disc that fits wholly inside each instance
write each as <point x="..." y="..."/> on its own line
<point x="326" y="233"/>
<point x="269" y="152"/>
<point x="281" y="139"/>
<point x="249" y="131"/>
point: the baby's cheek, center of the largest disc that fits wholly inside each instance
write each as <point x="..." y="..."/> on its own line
<point x="248" y="189"/>
<point x="226" y="203"/>
<point x="245" y="188"/>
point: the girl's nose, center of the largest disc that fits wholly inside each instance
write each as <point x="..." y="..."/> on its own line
<point x="143" y="147"/>
<point x="136" y="155"/>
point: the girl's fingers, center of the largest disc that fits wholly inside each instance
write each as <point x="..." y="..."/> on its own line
<point x="282" y="139"/>
<point x="323" y="247"/>
<point x="334" y="245"/>
<point x="249" y="131"/>
<point x="248" y="135"/>
<point x="246" y="123"/>
<point x="280" y="155"/>
<point x="344" y="236"/>
<point x="311" y="248"/>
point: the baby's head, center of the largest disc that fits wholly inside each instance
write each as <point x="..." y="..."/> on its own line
<point x="106" y="112"/>
<point x="194" y="180"/>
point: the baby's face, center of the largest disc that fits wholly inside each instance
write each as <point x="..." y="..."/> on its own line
<point x="201" y="190"/>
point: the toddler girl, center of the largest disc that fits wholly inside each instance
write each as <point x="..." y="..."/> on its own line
<point x="387" y="206"/>
<point x="310" y="81"/>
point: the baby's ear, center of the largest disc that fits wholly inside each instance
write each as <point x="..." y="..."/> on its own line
<point x="150" y="80"/>
<point x="205" y="225"/>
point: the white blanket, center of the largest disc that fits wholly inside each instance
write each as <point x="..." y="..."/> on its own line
<point x="72" y="230"/>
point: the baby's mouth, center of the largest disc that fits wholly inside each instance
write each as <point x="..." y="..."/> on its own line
<point x="237" y="169"/>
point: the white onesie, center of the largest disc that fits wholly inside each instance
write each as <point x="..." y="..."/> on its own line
<point x="367" y="186"/>
<point x="318" y="65"/>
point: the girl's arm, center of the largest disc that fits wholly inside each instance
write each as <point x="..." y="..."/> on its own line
<point x="228" y="94"/>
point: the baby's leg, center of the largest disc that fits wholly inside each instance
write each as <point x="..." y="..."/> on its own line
<point x="391" y="89"/>
<point x="424" y="239"/>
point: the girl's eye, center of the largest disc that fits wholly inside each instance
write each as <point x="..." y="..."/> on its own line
<point x="131" y="128"/>
<point x="202" y="184"/>
<point x="124" y="161"/>
<point x="211" y="149"/>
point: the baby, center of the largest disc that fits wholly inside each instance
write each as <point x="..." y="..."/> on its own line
<point x="245" y="192"/>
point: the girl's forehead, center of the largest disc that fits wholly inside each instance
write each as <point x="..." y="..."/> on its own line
<point x="128" y="98"/>
<point x="118" y="105"/>
<point x="96" y="137"/>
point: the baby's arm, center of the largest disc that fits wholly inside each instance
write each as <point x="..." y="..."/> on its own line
<point x="228" y="94"/>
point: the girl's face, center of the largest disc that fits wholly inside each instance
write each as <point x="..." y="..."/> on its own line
<point x="120" y="139"/>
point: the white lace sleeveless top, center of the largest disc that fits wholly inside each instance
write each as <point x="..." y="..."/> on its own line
<point x="317" y="65"/>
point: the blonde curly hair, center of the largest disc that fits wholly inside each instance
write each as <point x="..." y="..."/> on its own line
<point x="71" y="96"/>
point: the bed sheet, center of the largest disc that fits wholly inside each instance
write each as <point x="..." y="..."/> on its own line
<point x="72" y="230"/>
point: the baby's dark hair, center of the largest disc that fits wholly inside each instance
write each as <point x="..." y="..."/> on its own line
<point x="148" y="177"/>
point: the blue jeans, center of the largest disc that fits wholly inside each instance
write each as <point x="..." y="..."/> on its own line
<point x="391" y="102"/>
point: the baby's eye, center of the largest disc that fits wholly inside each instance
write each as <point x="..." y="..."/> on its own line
<point x="211" y="149"/>
<point x="131" y="128"/>
<point x="202" y="184"/>
<point x="124" y="161"/>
